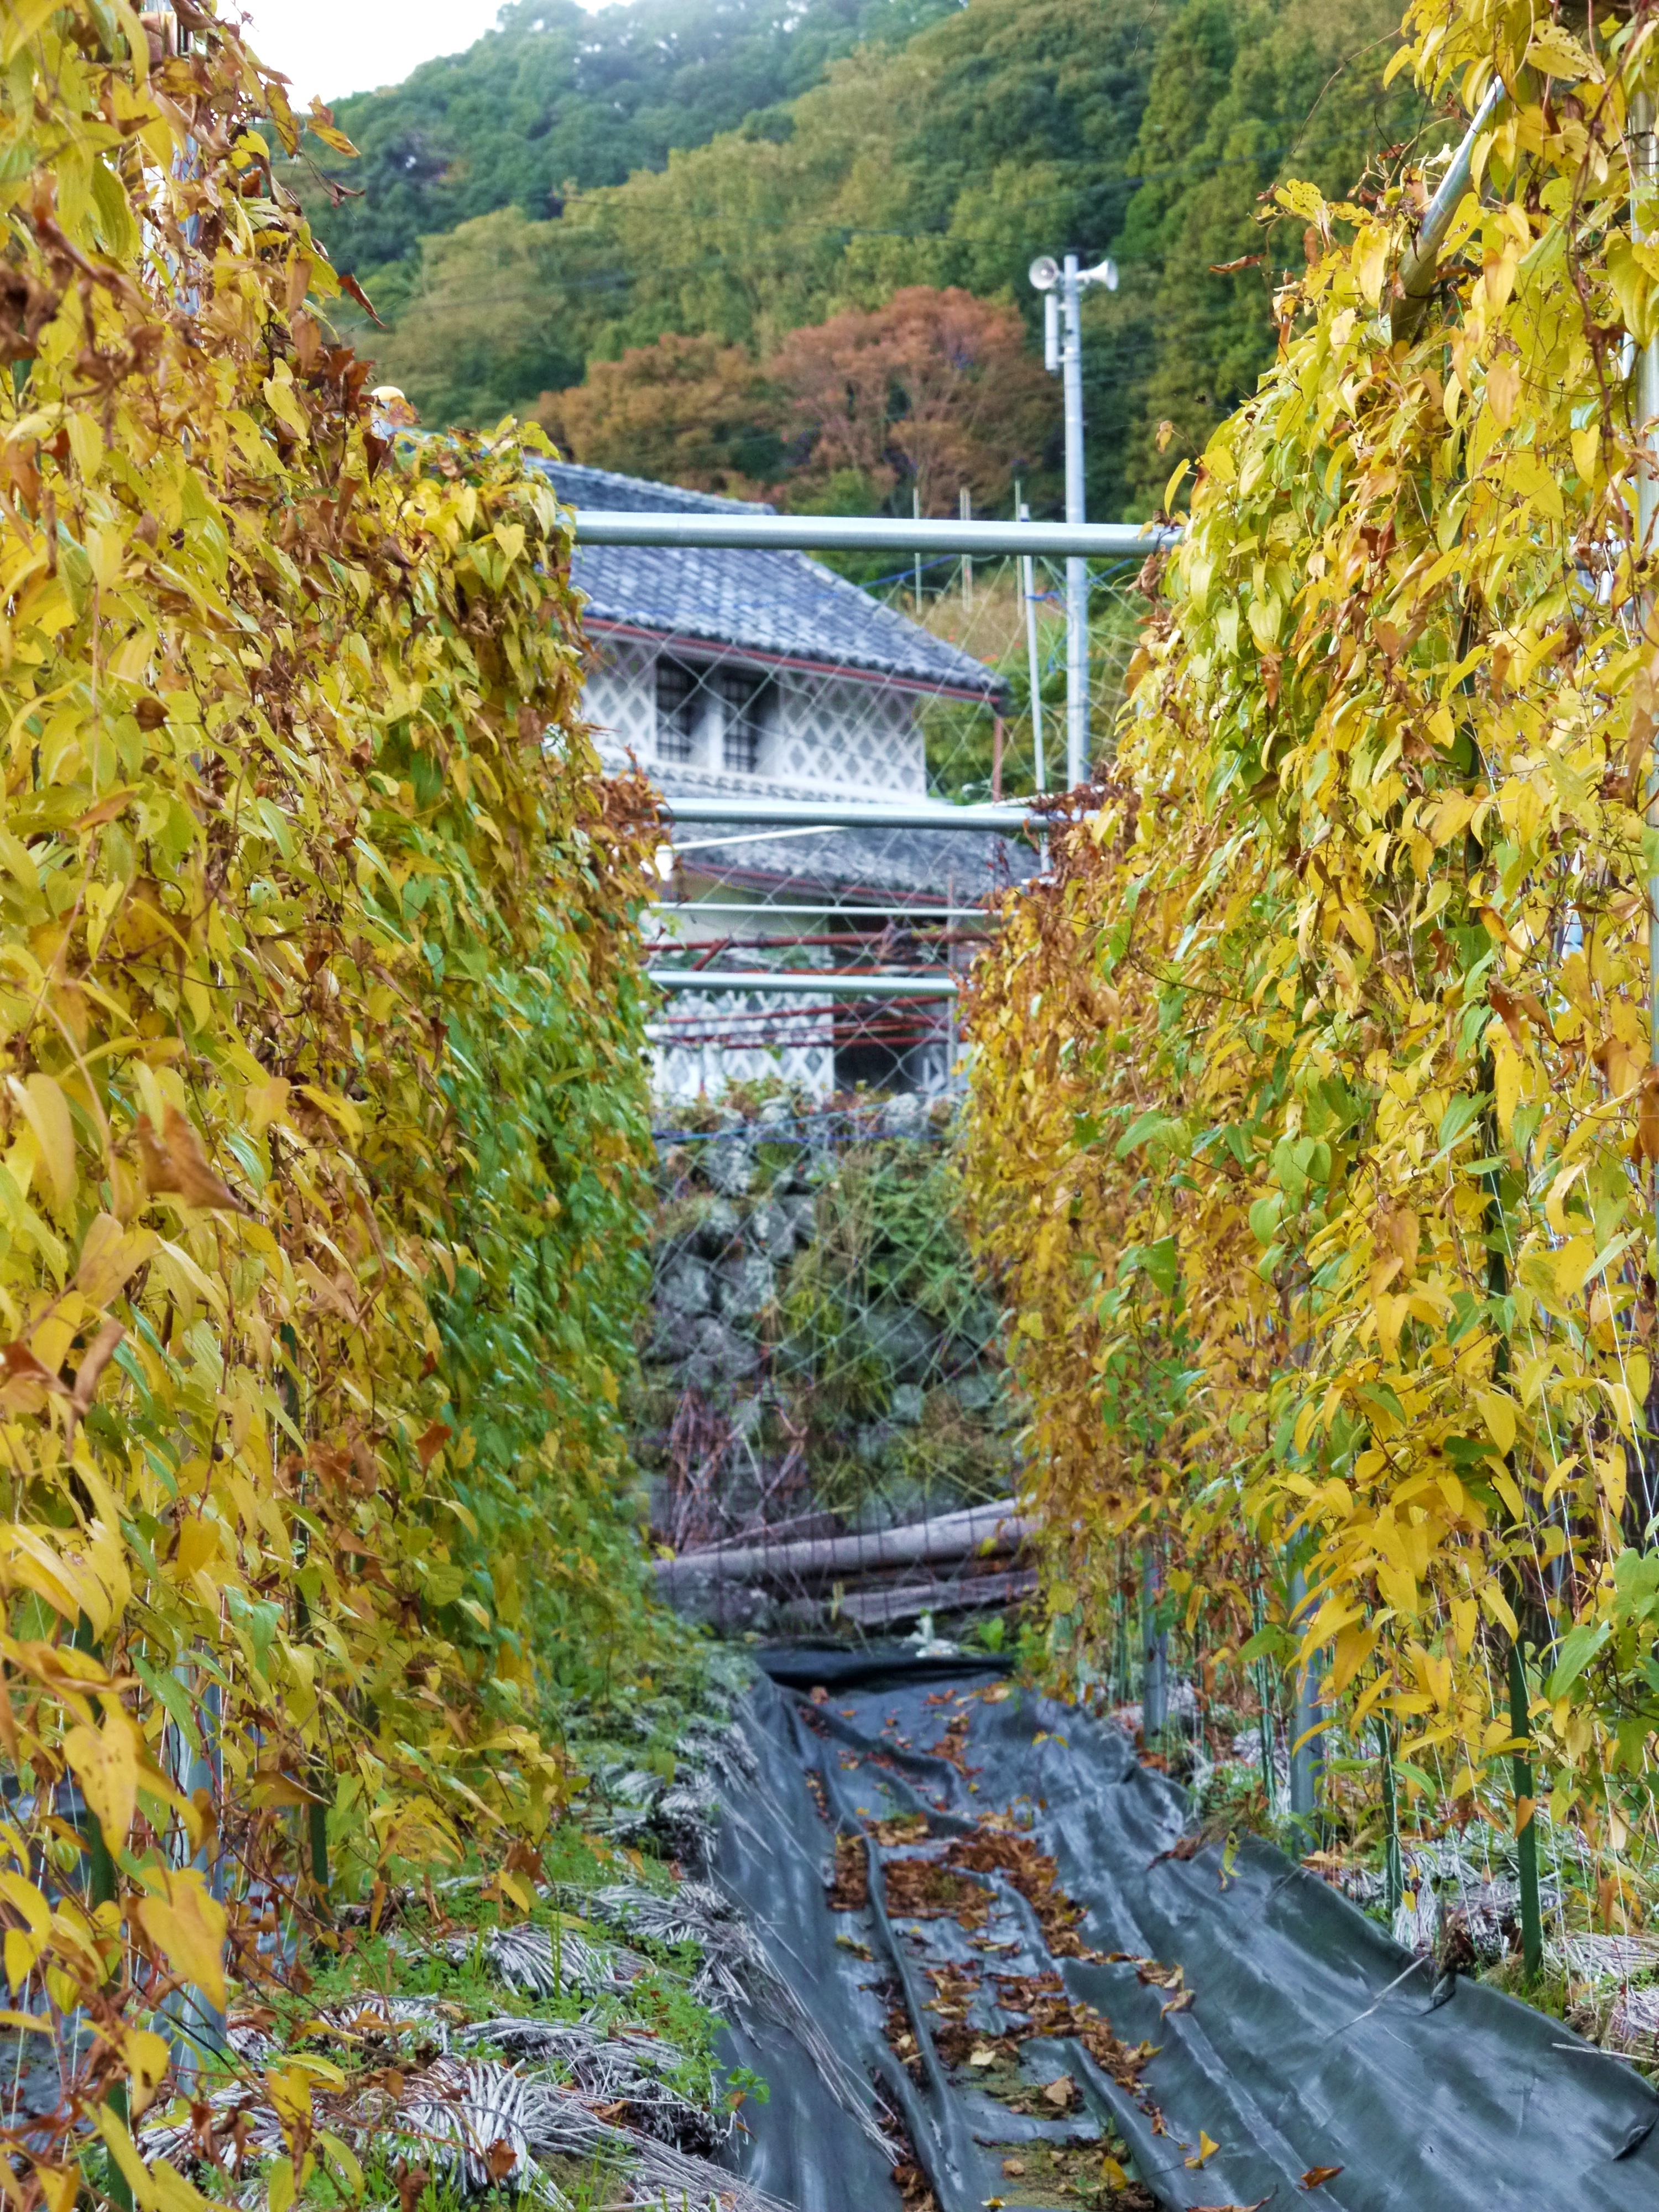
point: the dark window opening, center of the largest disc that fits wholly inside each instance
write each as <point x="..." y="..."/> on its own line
<point x="901" y="1045"/>
<point x="748" y="702"/>
<point x="678" y="687"/>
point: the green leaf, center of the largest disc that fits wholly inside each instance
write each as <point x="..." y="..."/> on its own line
<point x="1141" y="1131"/>
<point x="1578" y="1646"/>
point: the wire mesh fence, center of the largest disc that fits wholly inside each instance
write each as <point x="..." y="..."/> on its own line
<point x="973" y="698"/>
<point x="824" y="1412"/>
<point x="819" y="1364"/>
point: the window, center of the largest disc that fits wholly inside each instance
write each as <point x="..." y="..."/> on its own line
<point x="747" y="699"/>
<point x="678" y="689"/>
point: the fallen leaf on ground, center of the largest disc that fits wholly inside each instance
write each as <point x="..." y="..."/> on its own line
<point x="1317" y="2176"/>
<point x="1206" y="2150"/>
<point x="1058" y="2091"/>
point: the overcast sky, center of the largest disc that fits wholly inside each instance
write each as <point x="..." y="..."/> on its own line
<point x="337" y="46"/>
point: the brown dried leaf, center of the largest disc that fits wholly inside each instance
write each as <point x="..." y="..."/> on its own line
<point x="19" y="1364"/>
<point x="176" y="1164"/>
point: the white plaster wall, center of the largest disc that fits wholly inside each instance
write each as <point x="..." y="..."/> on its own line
<point x="830" y="736"/>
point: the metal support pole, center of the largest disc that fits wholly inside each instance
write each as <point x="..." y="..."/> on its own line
<point x="1155" y="1680"/>
<point x="1076" y="569"/>
<point x="1526" y="1825"/>
<point x="1420" y="268"/>
<point x="915" y="509"/>
<point x="813" y="814"/>
<point x="1307" y="1759"/>
<point x="803" y="983"/>
<point x="1033" y="662"/>
<point x="741" y="530"/>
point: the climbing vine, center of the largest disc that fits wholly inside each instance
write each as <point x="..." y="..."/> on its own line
<point x="321" y="1106"/>
<point x="1314" y="1127"/>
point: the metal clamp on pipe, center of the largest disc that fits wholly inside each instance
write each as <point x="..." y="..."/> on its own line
<point x="1420" y="268"/>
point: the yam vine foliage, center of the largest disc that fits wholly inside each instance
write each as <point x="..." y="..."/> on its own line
<point x="323" y="1117"/>
<point x="1314" y="1126"/>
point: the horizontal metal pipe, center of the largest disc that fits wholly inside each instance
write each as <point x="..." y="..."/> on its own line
<point x="755" y="911"/>
<point x="852" y="533"/>
<point x="802" y="983"/>
<point x="849" y="814"/>
<point x="1421" y="267"/>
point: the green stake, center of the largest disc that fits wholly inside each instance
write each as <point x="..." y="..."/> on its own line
<point x="1393" y="1878"/>
<point x="1526" y="1838"/>
<point x="1532" y="1921"/>
<point x="102" y="1889"/>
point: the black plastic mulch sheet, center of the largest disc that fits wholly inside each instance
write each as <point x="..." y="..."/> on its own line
<point x="1291" y="2053"/>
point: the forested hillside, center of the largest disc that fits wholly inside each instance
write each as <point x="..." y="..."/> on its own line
<point x="558" y="98"/>
<point x="945" y="158"/>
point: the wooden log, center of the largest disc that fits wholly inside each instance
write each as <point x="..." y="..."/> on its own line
<point x="981" y="1529"/>
<point x="881" y="1608"/>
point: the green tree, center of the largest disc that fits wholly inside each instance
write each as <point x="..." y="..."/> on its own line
<point x="559" y="97"/>
<point x="1007" y="128"/>
<point x="482" y="334"/>
<point x="1243" y="93"/>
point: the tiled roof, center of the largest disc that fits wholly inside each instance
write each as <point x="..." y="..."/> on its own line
<point x="965" y="865"/>
<point x="785" y="604"/>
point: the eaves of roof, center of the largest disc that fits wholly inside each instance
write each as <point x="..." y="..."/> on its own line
<point x="783" y="607"/>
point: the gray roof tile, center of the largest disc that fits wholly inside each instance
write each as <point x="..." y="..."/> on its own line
<point x="785" y="604"/>
<point x="969" y="865"/>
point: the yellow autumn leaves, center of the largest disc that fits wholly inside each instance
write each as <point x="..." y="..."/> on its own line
<point x="319" y="1081"/>
<point x="1313" y="1130"/>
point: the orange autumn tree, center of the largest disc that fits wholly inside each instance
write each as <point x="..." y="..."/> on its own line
<point x="933" y="389"/>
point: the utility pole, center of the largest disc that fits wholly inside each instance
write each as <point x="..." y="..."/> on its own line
<point x="1034" y="665"/>
<point x="1061" y="286"/>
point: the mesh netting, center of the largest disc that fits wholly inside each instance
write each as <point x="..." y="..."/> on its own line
<point x="949" y="717"/>
<point x="821" y="1375"/>
<point x="819" y="1360"/>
